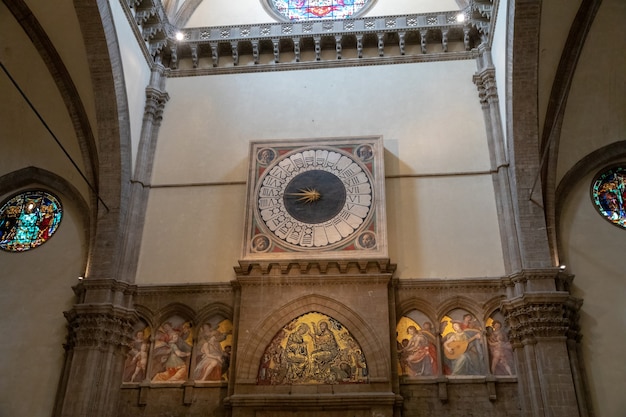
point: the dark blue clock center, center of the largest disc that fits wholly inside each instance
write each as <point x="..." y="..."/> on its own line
<point x="332" y="197"/>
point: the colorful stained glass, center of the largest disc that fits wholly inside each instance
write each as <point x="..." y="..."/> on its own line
<point x="609" y="194"/>
<point x="28" y="219"/>
<point x="318" y="9"/>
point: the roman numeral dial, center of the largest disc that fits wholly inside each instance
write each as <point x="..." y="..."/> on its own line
<point x="315" y="198"/>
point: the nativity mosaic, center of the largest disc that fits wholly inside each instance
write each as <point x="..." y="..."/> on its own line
<point x="468" y="347"/>
<point x="313" y="349"/>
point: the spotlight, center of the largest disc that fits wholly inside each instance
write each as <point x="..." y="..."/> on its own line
<point x="562" y="268"/>
<point x="180" y="36"/>
<point x="460" y="17"/>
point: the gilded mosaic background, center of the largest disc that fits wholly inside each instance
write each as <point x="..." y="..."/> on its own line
<point x="313" y="349"/>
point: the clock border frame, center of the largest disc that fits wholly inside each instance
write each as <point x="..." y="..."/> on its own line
<point x="378" y="219"/>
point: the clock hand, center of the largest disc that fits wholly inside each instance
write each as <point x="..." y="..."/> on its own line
<point x="307" y="195"/>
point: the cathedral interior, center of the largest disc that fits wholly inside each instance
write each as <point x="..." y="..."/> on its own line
<point x="298" y="208"/>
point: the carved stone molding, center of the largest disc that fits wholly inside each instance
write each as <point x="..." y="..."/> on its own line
<point x="460" y="285"/>
<point x="105" y="291"/>
<point x="315" y="267"/>
<point x="537" y="280"/>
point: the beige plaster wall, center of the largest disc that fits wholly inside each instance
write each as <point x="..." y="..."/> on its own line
<point x="428" y="114"/>
<point x="557" y="18"/>
<point x="498" y="54"/>
<point x="596" y="109"/>
<point x="35" y="292"/>
<point x="24" y="139"/>
<point x="70" y="47"/>
<point x="222" y="12"/>
<point x="593" y="250"/>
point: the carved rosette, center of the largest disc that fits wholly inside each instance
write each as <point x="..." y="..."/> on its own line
<point x="99" y="326"/>
<point x="537" y="316"/>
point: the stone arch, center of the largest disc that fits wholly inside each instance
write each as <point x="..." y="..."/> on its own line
<point x="113" y="133"/>
<point x="180" y="309"/>
<point x="180" y="17"/>
<point x="609" y="154"/>
<point x="146" y="314"/>
<point x="420" y="304"/>
<point x="460" y="302"/>
<point x="550" y="137"/>
<point x="491" y="306"/>
<point x="376" y="354"/>
<point x="64" y="83"/>
<point x="213" y="309"/>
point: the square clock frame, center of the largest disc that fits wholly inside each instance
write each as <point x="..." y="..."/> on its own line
<point x="316" y="199"/>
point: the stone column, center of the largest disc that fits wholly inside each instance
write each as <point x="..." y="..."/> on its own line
<point x="485" y="80"/>
<point x="99" y="332"/>
<point x="524" y="26"/>
<point x="543" y="328"/>
<point x="156" y="98"/>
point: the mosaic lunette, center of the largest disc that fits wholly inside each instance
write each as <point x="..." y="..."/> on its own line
<point x="313" y="349"/>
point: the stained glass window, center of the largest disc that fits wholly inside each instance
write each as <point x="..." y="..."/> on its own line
<point x="28" y="219"/>
<point x="609" y="194"/>
<point x="318" y="9"/>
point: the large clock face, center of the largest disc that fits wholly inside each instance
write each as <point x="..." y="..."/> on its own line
<point x="318" y="197"/>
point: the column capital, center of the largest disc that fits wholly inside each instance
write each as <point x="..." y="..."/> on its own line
<point x="542" y="314"/>
<point x="99" y="326"/>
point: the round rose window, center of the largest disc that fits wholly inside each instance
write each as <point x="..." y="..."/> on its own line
<point x="296" y="10"/>
<point x="28" y="220"/>
<point x="608" y="192"/>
